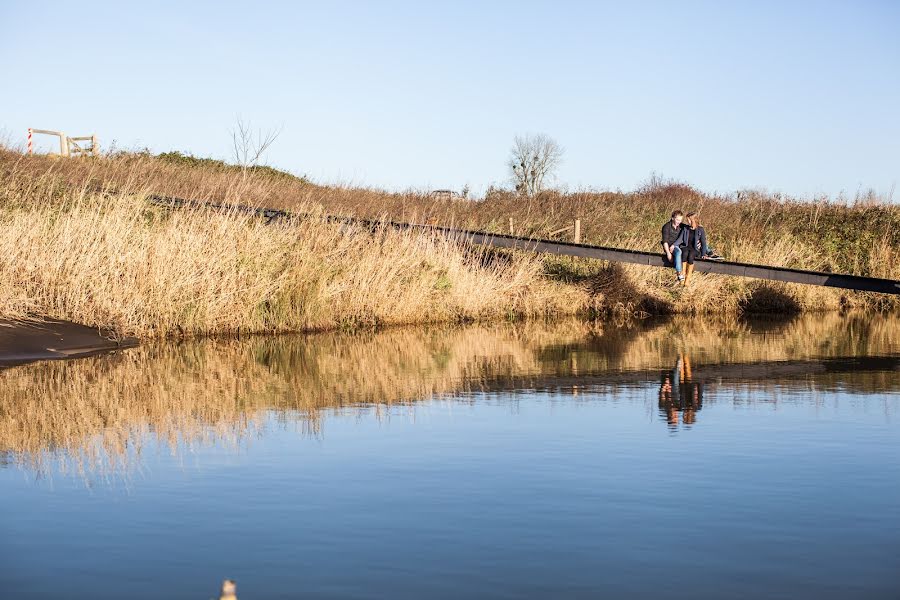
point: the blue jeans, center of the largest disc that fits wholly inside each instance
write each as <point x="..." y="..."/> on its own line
<point x="676" y="258"/>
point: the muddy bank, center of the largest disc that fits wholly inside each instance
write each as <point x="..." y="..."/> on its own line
<point x="24" y="342"/>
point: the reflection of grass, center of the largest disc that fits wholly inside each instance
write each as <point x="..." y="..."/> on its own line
<point x="731" y="340"/>
<point x="96" y="412"/>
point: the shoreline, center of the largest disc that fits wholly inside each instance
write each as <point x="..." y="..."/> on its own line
<point x="23" y="342"/>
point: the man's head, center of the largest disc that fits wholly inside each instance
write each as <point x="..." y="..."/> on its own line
<point x="677" y="217"/>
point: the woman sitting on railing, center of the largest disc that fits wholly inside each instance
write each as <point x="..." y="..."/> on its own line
<point x="697" y="239"/>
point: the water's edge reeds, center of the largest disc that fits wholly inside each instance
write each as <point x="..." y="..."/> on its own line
<point x="80" y="243"/>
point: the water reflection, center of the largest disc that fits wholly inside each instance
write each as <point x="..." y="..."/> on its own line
<point x="680" y="394"/>
<point x="95" y="414"/>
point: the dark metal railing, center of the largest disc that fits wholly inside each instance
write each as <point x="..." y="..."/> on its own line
<point x="498" y="240"/>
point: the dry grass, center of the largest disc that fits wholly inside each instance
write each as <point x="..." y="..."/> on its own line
<point x="402" y="277"/>
<point x="112" y="261"/>
<point x="115" y="263"/>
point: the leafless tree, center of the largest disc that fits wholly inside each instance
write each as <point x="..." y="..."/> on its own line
<point x="249" y="147"/>
<point x="533" y="160"/>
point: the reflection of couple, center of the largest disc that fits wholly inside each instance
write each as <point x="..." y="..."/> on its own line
<point x="678" y="393"/>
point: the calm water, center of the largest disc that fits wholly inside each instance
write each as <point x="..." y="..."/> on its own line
<point x="679" y="459"/>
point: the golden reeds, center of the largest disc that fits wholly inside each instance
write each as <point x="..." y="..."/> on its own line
<point x="211" y="273"/>
<point x="117" y="263"/>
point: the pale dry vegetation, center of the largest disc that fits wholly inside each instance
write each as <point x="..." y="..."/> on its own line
<point x="114" y="261"/>
<point x="80" y="243"/>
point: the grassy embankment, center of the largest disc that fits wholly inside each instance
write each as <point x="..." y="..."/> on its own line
<point x="69" y="252"/>
<point x="80" y="243"/>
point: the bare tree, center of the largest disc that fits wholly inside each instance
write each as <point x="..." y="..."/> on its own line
<point x="533" y="159"/>
<point x="248" y="147"/>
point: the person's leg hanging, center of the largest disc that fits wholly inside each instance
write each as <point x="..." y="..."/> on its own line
<point x="689" y="269"/>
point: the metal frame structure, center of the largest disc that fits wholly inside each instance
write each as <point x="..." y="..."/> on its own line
<point x="68" y="146"/>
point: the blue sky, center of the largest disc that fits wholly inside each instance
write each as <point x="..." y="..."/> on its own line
<point x="797" y="97"/>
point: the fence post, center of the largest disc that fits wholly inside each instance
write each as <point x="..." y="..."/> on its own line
<point x="511" y="231"/>
<point x="577" y="231"/>
<point x="95" y="149"/>
<point x="63" y="144"/>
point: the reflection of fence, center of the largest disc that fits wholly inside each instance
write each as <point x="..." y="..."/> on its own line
<point x="68" y="146"/>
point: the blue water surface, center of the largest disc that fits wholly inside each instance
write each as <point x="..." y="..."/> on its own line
<point x="777" y="487"/>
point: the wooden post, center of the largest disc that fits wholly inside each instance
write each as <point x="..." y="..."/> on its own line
<point x="577" y="231"/>
<point x="95" y="149"/>
<point x="63" y="144"/>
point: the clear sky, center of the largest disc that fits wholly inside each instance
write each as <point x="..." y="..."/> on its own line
<point x="798" y="97"/>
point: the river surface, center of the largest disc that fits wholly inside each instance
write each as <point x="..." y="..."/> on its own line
<point x="686" y="458"/>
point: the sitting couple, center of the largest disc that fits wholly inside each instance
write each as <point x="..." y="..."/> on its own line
<point x="683" y="240"/>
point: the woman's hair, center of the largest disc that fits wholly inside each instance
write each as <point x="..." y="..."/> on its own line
<point x="693" y="219"/>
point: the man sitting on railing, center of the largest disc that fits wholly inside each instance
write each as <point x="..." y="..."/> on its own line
<point x="675" y="241"/>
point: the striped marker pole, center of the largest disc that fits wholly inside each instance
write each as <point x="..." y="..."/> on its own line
<point x="30" y="149"/>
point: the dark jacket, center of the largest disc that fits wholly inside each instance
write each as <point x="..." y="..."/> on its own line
<point x="673" y="237"/>
<point x="698" y="238"/>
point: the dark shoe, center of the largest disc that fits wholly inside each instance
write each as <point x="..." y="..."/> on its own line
<point x="714" y="256"/>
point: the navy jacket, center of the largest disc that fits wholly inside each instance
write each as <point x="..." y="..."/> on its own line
<point x="698" y="237"/>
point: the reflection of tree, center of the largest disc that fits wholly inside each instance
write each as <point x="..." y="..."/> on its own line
<point x="680" y="394"/>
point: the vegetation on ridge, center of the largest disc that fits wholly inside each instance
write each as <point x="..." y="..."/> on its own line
<point x="80" y="243"/>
